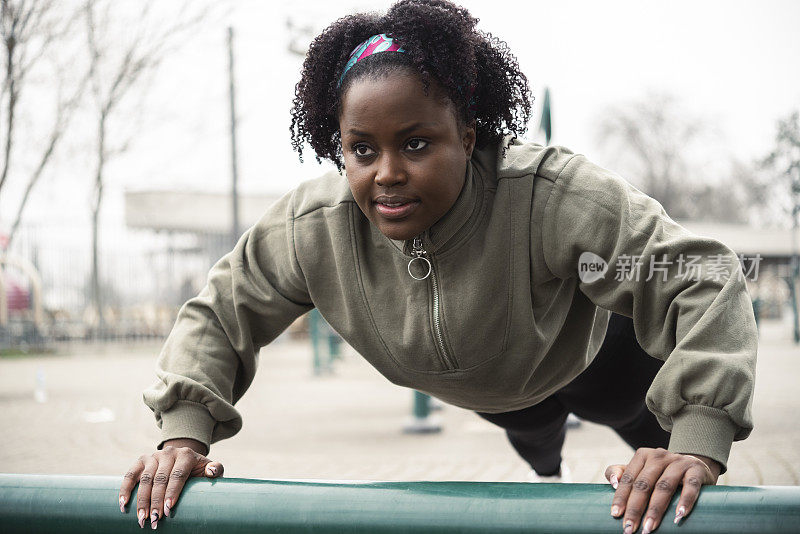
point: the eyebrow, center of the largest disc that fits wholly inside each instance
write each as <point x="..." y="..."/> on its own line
<point x="407" y="129"/>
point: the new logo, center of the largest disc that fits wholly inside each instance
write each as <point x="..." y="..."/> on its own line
<point x="591" y="267"/>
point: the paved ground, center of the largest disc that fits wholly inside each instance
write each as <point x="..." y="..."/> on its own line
<point x="346" y="426"/>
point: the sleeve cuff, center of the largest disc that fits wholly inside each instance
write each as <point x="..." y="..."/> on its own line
<point x="187" y="419"/>
<point x="703" y="430"/>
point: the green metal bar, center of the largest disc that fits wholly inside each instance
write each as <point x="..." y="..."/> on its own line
<point x="59" y="503"/>
<point x="322" y="335"/>
<point x="422" y="422"/>
<point x="334" y="345"/>
<point x="422" y="407"/>
<point x="794" y="298"/>
<point x="314" y="330"/>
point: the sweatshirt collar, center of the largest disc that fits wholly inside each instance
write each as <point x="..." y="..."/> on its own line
<point x="467" y="207"/>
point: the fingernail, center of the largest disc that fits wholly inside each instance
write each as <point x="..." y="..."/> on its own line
<point x="211" y="470"/>
<point x="680" y="513"/>
<point x="648" y="526"/>
<point x="142" y="514"/>
<point x="614" y="481"/>
<point x="122" y="504"/>
<point x="154" y="519"/>
<point x="615" y="510"/>
<point x="167" y="505"/>
<point x="628" y="527"/>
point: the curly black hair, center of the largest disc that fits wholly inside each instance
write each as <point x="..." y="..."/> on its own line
<point x="442" y="44"/>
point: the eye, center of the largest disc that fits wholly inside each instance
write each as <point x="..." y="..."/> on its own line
<point x="362" y="150"/>
<point x="416" y="144"/>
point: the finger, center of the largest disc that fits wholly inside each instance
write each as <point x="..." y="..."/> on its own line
<point x="664" y="489"/>
<point x="692" y="482"/>
<point x="181" y="472"/>
<point x="640" y="494"/>
<point x="129" y="481"/>
<point x="166" y="461"/>
<point x="629" y="474"/>
<point x="214" y="470"/>
<point x="612" y="474"/>
<point x="145" y="487"/>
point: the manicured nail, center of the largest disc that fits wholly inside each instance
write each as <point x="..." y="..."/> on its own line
<point x="614" y="481"/>
<point x="648" y="526"/>
<point x="628" y="527"/>
<point x="141" y="514"/>
<point x="122" y="504"/>
<point x="615" y="510"/>
<point x="680" y="513"/>
<point x="167" y="505"/>
<point x="154" y="519"/>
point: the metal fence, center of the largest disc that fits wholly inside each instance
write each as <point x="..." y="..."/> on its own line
<point x="144" y="278"/>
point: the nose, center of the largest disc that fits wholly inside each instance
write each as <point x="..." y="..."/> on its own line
<point x="390" y="170"/>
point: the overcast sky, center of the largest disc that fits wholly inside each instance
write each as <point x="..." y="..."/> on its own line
<point x="733" y="63"/>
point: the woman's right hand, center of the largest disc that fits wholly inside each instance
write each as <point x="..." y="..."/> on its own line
<point x="162" y="475"/>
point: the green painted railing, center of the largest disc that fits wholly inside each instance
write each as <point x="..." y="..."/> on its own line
<point x="56" y="503"/>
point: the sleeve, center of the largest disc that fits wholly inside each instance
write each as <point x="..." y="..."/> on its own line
<point x="210" y="357"/>
<point x="686" y="294"/>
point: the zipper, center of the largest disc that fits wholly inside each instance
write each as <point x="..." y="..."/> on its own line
<point x="419" y="254"/>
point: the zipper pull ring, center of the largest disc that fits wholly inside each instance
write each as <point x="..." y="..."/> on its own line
<point x="419" y="255"/>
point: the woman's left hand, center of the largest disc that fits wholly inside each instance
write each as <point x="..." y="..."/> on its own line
<point x="645" y="486"/>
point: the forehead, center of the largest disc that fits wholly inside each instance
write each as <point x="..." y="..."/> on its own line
<point x="389" y="99"/>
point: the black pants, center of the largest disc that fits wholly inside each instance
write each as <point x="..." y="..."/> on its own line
<point x="610" y="392"/>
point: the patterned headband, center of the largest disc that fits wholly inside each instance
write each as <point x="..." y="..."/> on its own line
<point x="384" y="43"/>
<point x="373" y="45"/>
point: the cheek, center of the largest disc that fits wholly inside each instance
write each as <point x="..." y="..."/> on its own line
<point x="359" y="185"/>
<point x="451" y="178"/>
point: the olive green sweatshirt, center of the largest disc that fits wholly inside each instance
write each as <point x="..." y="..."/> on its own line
<point x="515" y="307"/>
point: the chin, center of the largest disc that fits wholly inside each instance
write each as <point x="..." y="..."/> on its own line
<point x="398" y="234"/>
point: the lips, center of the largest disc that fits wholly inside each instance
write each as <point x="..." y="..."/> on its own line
<point x="395" y="206"/>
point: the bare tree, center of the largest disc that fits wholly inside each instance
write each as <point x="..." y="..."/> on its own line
<point x="673" y="156"/>
<point x="740" y="198"/>
<point x="784" y="162"/>
<point x="31" y="29"/>
<point x="124" y="48"/>
<point x="649" y="139"/>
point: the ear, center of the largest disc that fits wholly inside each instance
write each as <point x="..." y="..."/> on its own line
<point x="468" y="138"/>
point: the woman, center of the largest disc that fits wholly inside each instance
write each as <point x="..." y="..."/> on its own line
<point x="467" y="264"/>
